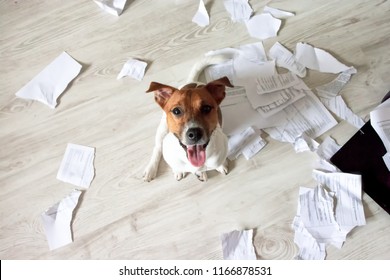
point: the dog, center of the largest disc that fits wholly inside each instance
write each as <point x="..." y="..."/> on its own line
<point x="190" y="136"/>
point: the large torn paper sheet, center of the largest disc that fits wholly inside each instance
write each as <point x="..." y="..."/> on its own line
<point x="263" y="26"/>
<point x="238" y="245"/>
<point x="318" y="59"/>
<point x="325" y="151"/>
<point x="201" y="16"/>
<point x="347" y="188"/>
<point x="380" y="121"/>
<point x="57" y="221"/>
<point x="114" y="7"/>
<point x="286" y="59"/>
<point x="48" y="85"/>
<point x="327" y="213"/>
<point x="77" y="165"/>
<point x="239" y="10"/>
<point x="329" y="95"/>
<point x="133" y="68"/>
<point x="307" y="115"/>
<point x="247" y="142"/>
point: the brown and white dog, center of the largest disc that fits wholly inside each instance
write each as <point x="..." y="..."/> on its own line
<point x="190" y="136"/>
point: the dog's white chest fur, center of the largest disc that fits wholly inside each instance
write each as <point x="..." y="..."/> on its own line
<point x="175" y="155"/>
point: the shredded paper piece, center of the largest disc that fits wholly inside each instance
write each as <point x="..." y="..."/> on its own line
<point x="201" y="17"/>
<point x="239" y="10"/>
<point x="277" y="12"/>
<point x="286" y="59"/>
<point x="77" y="165"/>
<point x="263" y="26"/>
<point x="114" y="7"/>
<point x="133" y="68"/>
<point x="57" y="221"/>
<point x="248" y="143"/>
<point x="238" y="245"/>
<point x="48" y="85"/>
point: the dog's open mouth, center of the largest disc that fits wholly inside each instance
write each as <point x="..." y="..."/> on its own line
<point x="196" y="154"/>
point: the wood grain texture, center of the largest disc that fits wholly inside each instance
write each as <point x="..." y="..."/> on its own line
<point x="120" y="216"/>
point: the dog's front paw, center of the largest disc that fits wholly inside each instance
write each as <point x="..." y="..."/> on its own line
<point x="179" y="175"/>
<point x="150" y="172"/>
<point x="202" y="176"/>
<point x="224" y="169"/>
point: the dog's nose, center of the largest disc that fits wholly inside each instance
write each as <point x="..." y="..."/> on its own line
<point x="193" y="135"/>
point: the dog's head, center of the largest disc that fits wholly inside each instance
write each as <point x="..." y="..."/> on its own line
<point x="192" y="114"/>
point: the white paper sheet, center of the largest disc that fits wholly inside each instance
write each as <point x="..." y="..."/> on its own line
<point x="247" y="142"/>
<point x="238" y="245"/>
<point x="318" y="59"/>
<point x="380" y="121"/>
<point x="277" y="12"/>
<point x="329" y="95"/>
<point x="263" y="26"/>
<point x="325" y="151"/>
<point x="133" y="68"/>
<point x="307" y="115"/>
<point x="286" y="59"/>
<point x="48" y="85"/>
<point x="348" y="192"/>
<point x="77" y="165"/>
<point x="386" y="159"/>
<point x="201" y="17"/>
<point x="309" y="248"/>
<point x="277" y="82"/>
<point x="57" y="221"/>
<point x="305" y="143"/>
<point x="217" y="71"/>
<point x="114" y="7"/>
<point x="239" y="10"/>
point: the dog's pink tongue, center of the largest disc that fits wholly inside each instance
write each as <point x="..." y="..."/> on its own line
<point x="196" y="155"/>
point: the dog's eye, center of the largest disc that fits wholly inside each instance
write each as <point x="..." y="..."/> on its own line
<point x="176" y="111"/>
<point x="205" y="109"/>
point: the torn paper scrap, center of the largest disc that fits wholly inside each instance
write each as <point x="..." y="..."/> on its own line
<point x="329" y="95"/>
<point x="386" y="159"/>
<point x="348" y="193"/>
<point x="339" y="108"/>
<point x="217" y="71"/>
<point x="305" y="143"/>
<point x="48" y="85"/>
<point x="318" y="59"/>
<point x="201" y="17"/>
<point x="318" y="216"/>
<point x="334" y="88"/>
<point x="114" y="7"/>
<point x="239" y="10"/>
<point x="77" y="165"/>
<point x="247" y="142"/>
<point x="307" y="115"/>
<point x="328" y="148"/>
<point x="267" y="84"/>
<point x="286" y="59"/>
<point x="309" y="248"/>
<point x="238" y="245"/>
<point x="277" y="12"/>
<point x="380" y="121"/>
<point x="57" y="221"/>
<point x="263" y="26"/>
<point x="133" y="68"/>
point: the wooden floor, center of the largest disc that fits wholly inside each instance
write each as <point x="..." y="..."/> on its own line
<point x="122" y="217"/>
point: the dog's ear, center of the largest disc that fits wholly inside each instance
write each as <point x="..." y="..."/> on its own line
<point x="217" y="88"/>
<point x="161" y="92"/>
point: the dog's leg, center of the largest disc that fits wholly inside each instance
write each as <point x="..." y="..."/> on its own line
<point x="152" y="168"/>
<point x="202" y="176"/>
<point x="224" y="168"/>
<point x="179" y="175"/>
